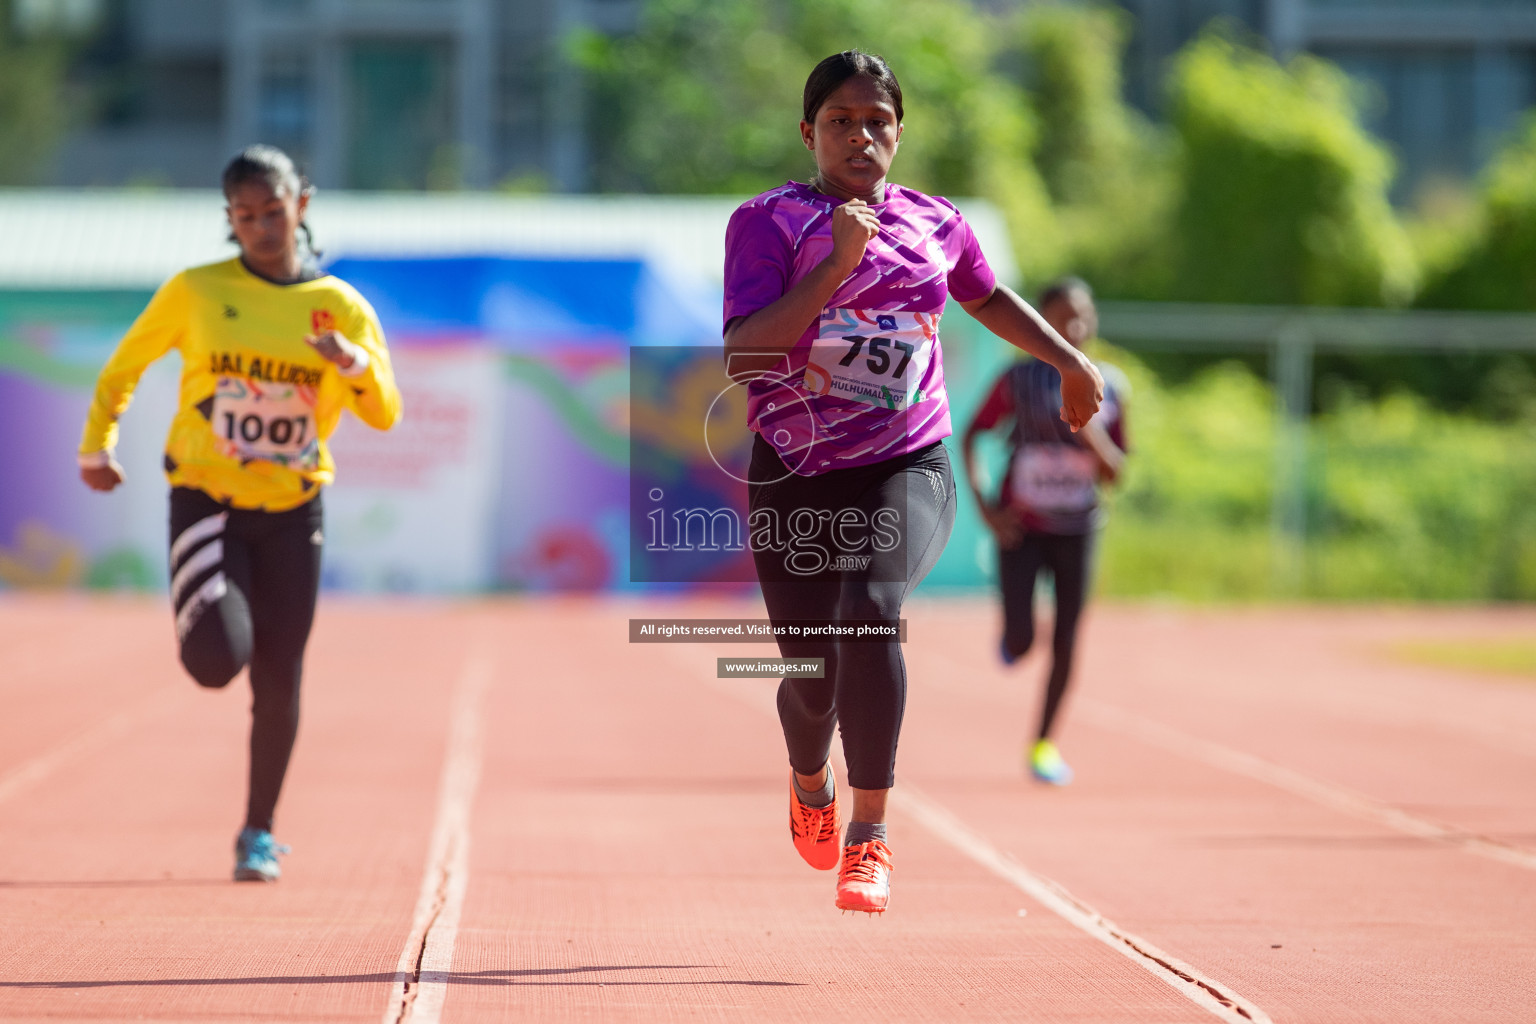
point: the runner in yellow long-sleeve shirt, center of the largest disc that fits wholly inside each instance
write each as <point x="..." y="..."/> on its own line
<point x="272" y="351"/>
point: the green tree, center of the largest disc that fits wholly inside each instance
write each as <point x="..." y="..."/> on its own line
<point x="705" y="97"/>
<point x="32" y="101"/>
<point x="1495" y="269"/>
<point x="1106" y="167"/>
<point x="1283" y="197"/>
<point x="1089" y="139"/>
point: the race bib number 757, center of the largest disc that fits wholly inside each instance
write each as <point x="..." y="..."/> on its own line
<point x="873" y="356"/>
<point x="259" y="420"/>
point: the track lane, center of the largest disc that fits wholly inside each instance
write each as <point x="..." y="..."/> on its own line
<point x="113" y="874"/>
<point x="631" y="864"/>
<point x="1371" y="924"/>
<point x="624" y="801"/>
<point x="60" y="694"/>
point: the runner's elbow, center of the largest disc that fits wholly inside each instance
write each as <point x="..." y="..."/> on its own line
<point x="380" y="417"/>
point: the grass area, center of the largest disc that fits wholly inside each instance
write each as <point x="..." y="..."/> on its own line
<point x="1403" y="502"/>
<point x="1505" y="657"/>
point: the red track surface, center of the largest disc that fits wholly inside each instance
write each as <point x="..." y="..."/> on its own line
<point x="627" y="857"/>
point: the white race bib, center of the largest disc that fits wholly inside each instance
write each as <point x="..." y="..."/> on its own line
<point x="1055" y="477"/>
<point x="868" y="355"/>
<point x="257" y="420"/>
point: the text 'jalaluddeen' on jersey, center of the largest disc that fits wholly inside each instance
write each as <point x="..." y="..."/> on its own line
<point x="257" y="403"/>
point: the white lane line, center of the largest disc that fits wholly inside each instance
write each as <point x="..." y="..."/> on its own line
<point x="421" y="977"/>
<point x="1188" y="982"/>
<point x="30" y="773"/>
<point x="1209" y="995"/>
<point x="1338" y="798"/>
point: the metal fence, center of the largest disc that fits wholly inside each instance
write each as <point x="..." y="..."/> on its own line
<point x="1292" y="336"/>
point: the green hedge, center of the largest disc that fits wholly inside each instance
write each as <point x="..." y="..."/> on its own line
<point x="1495" y="269"/>
<point x="1283" y="193"/>
<point x="1404" y="502"/>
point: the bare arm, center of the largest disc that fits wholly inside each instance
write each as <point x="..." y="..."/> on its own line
<point x="1001" y="521"/>
<point x="1105" y="452"/>
<point x="777" y="326"/>
<point x="968" y="459"/>
<point x="1016" y="322"/>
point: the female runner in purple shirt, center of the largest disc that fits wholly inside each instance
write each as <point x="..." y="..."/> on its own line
<point x="833" y="295"/>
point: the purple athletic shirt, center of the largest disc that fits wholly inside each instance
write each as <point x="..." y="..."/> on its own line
<point x="865" y="382"/>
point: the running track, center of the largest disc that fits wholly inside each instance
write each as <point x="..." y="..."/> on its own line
<point x="503" y="811"/>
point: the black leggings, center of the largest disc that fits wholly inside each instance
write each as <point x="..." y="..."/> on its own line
<point x="864" y="688"/>
<point x="1066" y="556"/>
<point x="243" y="584"/>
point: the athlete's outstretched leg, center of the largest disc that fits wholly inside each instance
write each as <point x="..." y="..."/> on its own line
<point x="806" y="709"/>
<point x="210" y="581"/>
<point x="807" y="712"/>
<point x="1068" y="559"/>
<point x="872" y="676"/>
<point x="1017" y="568"/>
<point x="285" y="580"/>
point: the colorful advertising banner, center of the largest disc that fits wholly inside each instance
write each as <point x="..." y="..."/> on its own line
<point x="510" y="468"/>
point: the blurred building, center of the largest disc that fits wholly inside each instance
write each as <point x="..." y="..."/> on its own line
<point x="1445" y="80"/>
<point x="369" y="93"/>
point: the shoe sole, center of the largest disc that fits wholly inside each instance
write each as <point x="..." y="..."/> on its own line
<point x="861" y="910"/>
<point x="845" y="908"/>
<point x="252" y="875"/>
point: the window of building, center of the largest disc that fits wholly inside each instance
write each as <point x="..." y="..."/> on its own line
<point x="401" y="124"/>
<point x="285" y="102"/>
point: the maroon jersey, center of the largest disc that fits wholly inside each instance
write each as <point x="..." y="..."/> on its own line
<point x="1052" y="479"/>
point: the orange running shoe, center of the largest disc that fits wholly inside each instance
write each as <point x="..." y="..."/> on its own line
<point x="814" y="829"/>
<point x="864" y="883"/>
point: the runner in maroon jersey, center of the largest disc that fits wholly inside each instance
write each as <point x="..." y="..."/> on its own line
<point x="1048" y="509"/>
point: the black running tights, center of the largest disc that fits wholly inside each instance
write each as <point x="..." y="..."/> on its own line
<point x="864" y="688"/>
<point x="243" y="584"/>
<point x="1066" y="556"/>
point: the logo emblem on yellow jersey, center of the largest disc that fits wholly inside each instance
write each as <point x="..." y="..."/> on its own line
<point x="230" y="312"/>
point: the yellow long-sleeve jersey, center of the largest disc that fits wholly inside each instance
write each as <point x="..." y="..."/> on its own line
<point x="257" y="403"/>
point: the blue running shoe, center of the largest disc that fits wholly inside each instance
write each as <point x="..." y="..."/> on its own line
<point x="256" y="855"/>
<point x="1046" y="764"/>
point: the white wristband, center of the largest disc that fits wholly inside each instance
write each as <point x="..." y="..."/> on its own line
<point x="359" y="363"/>
<point x="95" y="460"/>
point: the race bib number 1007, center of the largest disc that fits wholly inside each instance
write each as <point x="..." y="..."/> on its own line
<point x="258" y="420"/>
<point x="873" y="356"/>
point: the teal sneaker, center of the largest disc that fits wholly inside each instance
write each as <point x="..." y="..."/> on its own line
<point x="256" y="855"/>
<point x="1045" y="764"/>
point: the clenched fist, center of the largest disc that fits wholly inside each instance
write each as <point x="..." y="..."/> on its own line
<point x="1082" y="390"/>
<point x="853" y="224"/>
<point x="334" y="346"/>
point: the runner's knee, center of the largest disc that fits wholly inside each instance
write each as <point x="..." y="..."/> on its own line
<point x="809" y="699"/>
<point x="217" y="647"/>
<point x="275" y="687"/>
<point x="211" y="665"/>
<point x="863" y="601"/>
